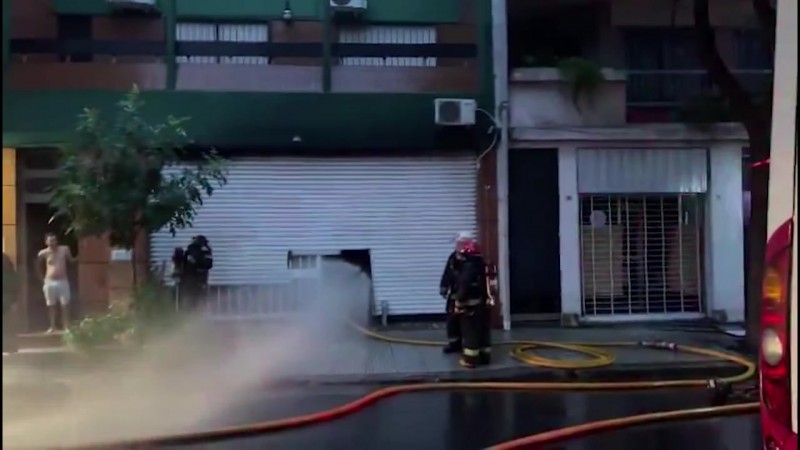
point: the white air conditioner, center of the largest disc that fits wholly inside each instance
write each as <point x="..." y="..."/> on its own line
<point x="455" y="111"/>
<point x="349" y="5"/>
<point x="141" y="5"/>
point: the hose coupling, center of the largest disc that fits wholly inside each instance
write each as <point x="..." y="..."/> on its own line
<point x="661" y="345"/>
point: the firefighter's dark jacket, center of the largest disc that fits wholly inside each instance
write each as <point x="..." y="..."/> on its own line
<point x="198" y="260"/>
<point x="469" y="286"/>
<point x="447" y="283"/>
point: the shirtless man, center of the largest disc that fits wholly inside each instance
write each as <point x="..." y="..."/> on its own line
<point x="55" y="283"/>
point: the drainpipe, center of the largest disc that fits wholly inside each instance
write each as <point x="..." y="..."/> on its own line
<point x="500" y="63"/>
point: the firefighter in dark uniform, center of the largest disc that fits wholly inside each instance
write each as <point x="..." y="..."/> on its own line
<point x="473" y="302"/>
<point x="193" y="269"/>
<point x="452" y="320"/>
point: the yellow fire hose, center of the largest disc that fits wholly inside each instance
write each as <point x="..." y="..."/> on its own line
<point x="521" y="352"/>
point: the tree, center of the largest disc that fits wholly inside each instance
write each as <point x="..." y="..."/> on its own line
<point x="755" y="114"/>
<point x="126" y="176"/>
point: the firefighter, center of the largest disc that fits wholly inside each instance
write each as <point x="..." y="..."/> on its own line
<point x="446" y="285"/>
<point x="473" y="301"/>
<point x="193" y="271"/>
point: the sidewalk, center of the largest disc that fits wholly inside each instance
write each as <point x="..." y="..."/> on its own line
<point x="355" y="359"/>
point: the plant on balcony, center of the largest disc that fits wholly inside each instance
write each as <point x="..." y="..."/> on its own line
<point x="583" y="76"/>
<point x="124" y="175"/>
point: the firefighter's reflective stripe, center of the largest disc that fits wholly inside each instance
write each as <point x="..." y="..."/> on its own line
<point x="486" y="350"/>
<point x="469" y="303"/>
<point x="471" y="352"/>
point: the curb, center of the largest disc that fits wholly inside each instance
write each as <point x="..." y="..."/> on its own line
<point x="69" y="360"/>
<point x="618" y="373"/>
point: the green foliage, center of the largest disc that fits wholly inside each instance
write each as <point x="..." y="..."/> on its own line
<point x="151" y="313"/>
<point x="153" y="308"/>
<point x="93" y="332"/>
<point x="112" y="179"/>
<point x="583" y="76"/>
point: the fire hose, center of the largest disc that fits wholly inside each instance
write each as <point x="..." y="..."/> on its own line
<point x="521" y="352"/>
<point x="568" y="433"/>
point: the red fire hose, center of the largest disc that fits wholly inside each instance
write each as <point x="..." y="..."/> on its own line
<point x="563" y="434"/>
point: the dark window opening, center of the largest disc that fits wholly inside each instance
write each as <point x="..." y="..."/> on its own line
<point x="542" y="35"/>
<point x="74" y="27"/>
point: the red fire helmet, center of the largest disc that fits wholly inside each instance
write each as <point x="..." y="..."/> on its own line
<point x="469" y="247"/>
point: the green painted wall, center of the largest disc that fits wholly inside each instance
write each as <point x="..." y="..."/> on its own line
<point x="245" y="9"/>
<point x="414" y="11"/>
<point x="393" y="11"/>
<point x="269" y="120"/>
<point x="82" y="7"/>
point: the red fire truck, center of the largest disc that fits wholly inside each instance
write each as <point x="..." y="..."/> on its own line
<point x="778" y="359"/>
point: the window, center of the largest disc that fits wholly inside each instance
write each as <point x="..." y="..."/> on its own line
<point x="664" y="68"/>
<point x="753" y="61"/>
<point x="229" y="32"/>
<point x="387" y="34"/>
<point x="74" y="27"/>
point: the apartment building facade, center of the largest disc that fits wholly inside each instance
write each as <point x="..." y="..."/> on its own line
<point x="636" y="189"/>
<point x="327" y="110"/>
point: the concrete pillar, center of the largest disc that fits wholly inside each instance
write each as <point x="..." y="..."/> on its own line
<point x="500" y="70"/>
<point x="724" y="244"/>
<point x="569" y="230"/>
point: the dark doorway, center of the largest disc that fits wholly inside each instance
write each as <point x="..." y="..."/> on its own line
<point x="534" y="253"/>
<point x="37" y="216"/>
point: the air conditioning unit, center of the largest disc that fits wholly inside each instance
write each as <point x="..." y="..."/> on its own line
<point x="455" y="111"/>
<point x="349" y="5"/>
<point x="135" y="5"/>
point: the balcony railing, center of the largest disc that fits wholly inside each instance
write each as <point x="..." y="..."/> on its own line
<point x="116" y="64"/>
<point x="658" y="95"/>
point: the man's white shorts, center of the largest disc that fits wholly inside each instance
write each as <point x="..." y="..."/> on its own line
<point x="56" y="291"/>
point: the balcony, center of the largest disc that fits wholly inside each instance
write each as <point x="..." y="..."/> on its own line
<point x="684" y="95"/>
<point x="229" y="66"/>
<point x="287" y="95"/>
<point x="541" y="98"/>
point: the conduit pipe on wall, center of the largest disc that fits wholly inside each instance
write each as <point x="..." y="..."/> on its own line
<point x="500" y="64"/>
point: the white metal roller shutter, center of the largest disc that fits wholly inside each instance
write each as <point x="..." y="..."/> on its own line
<point x="629" y="170"/>
<point x="405" y="210"/>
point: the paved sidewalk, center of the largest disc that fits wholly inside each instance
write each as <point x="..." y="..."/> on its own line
<point x="349" y="357"/>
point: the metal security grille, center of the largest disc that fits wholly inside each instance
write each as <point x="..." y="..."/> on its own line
<point x="211" y="32"/>
<point x="387" y="34"/>
<point x="641" y="254"/>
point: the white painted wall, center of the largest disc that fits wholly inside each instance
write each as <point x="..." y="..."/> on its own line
<point x="540" y="98"/>
<point x="569" y="229"/>
<point x="725" y="233"/>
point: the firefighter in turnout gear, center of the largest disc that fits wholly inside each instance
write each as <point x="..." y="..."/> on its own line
<point x="192" y="269"/>
<point x="447" y="291"/>
<point x="473" y="302"/>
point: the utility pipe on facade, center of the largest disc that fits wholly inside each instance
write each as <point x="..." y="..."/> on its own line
<point x="500" y="63"/>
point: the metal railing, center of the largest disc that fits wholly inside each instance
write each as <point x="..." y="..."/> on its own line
<point x="672" y="88"/>
<point x="267" y="301"/>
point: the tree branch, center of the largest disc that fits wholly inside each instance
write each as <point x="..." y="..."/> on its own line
<point x="743" y="106"/>
<point x="767" y="17"/>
